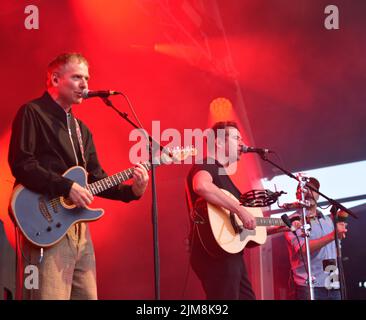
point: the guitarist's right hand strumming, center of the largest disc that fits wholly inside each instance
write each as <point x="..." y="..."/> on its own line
<point x="247" y="219"/>
<point x="80" y="196"/>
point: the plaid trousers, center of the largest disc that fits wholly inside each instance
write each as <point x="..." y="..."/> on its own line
<point x="67" y="270"/>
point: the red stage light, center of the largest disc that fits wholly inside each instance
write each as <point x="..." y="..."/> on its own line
<point x="221" y="109"/>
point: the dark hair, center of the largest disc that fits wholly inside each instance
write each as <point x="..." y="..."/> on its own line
<point x="313" y="181"/>
<point x="223" y="125"/>
<point x="61" y="60"/>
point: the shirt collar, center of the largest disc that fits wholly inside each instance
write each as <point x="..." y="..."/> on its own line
<point x="53" y="107"/>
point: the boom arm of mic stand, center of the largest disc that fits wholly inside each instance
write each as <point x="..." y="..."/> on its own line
<point x="124" y="115"/>
<point x="331" y="201"/>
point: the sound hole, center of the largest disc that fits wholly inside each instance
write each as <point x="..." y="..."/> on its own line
<point x="68" y="201"/>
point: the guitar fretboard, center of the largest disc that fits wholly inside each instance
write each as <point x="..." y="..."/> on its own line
<point x="114" y="180"/>
<point x="263" y="221"/>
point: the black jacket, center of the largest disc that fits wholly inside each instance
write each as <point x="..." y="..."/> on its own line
<point x="41" y="151"/>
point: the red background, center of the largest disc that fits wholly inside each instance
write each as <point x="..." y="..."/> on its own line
<point x="295" y="87"/>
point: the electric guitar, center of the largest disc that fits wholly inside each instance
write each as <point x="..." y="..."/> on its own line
<point x="44" y="221"/>
<point x="221" y="231"/>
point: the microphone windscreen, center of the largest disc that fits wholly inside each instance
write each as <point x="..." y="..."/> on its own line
<point x="285" y="218"/>
<point x="342" y="216"/>
<point x="84" y="94"/>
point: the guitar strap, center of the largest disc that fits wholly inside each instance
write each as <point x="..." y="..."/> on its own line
<point x="78" y="134"/>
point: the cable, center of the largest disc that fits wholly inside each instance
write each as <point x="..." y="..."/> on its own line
<point x="193" y="229"/>
<point x="190" y="240"/>
<point x="302" y="255"/>
<point x="279" y="158"/>
<point x="137" y="119"/>
<point x="132" y="110"/>
<point x="20" y="248"/>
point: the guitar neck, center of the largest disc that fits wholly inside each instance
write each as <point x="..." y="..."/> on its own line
<point x="267" y="222"/>
<point x="177" y="154"/>
<point x="114" y="180"/>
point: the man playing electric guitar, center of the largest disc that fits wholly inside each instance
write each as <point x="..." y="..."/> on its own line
<point x="46" y="141"/>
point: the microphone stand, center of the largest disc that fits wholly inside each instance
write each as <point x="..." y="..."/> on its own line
<point x="342" y="282"/>
<point x="306" y="226"/>
<point x="154" y="209"/>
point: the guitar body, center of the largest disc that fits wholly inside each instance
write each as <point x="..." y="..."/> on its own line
<point x="44" y="223"/>
<point x="217" y="233"/>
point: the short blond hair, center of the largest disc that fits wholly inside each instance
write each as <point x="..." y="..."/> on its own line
<point x="60" y="61"/>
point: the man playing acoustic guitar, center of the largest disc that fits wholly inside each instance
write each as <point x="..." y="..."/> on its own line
<point x="222" y="273"/>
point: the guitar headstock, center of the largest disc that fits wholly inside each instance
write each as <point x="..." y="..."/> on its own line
<point x="177" y="154"/>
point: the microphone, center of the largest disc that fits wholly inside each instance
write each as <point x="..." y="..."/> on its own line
<point x="296" y="205"/>
<point x="341" y="216"/>
<point x="287" y="222"/>
<point x="86" y="94"/>
<point x="245" y="149"/>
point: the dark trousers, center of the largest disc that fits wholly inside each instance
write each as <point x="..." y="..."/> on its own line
<point x="222" y="278"/>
